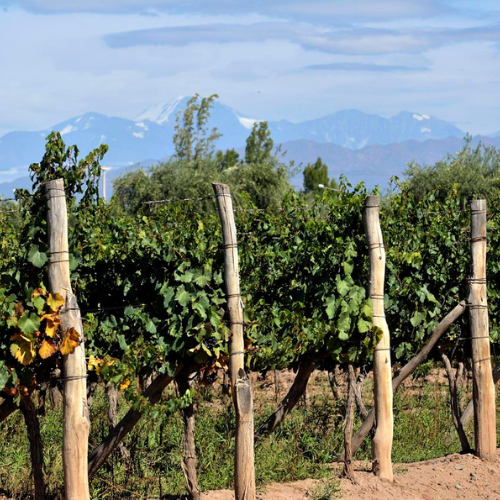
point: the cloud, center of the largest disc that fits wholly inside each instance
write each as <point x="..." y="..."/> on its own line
<point x="365" y="67"/>
<point x="287" y="9"/>
<point x="347" y="40"/>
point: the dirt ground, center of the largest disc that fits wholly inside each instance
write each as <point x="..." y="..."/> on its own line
<point x="448" y="478"/>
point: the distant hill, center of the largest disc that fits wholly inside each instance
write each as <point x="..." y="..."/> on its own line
<point x="361" y="145"/>
<point x="356" y="130"/>
<point x="374" y="164"/>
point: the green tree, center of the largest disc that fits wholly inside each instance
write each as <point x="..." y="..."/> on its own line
<point x="192" y="140"/>
<point x="262" y="178"/>
<point x="315" y="174"/>
<point x="473" y="172"/>
<point x="259" y="144"/>
<point x="227" y="159"/>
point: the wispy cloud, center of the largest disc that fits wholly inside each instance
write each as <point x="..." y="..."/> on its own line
<point x="363" y="67"/>
<point x="287" y="9"/>
<point x="348" y="40"/>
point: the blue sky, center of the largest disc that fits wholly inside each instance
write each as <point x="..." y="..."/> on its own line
<point x="269" y="59"/>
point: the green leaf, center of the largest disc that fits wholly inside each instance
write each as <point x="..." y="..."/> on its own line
<point x="348" y="267"/>
<point x="167" y="297"/>
<point x="39" y="303"/>
<point x="4" y="375"/>
<point x="330" y="307"/>
<point x="342" y="287"/>
<point x="122" y="342"/>
<point x="150" y="326"/>
<point x="343" y="325"/>
<point x="29" y="323"/>
<point x="364" y="326"/>
<point x="417" y="318"/>
<point x="182" y="297"/>
<point x="37" y="258"/>
<point x="214" y="317"/>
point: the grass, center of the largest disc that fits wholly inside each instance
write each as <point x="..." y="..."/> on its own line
<point x="303" y="447"/>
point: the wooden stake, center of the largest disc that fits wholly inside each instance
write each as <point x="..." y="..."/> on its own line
<point x="483" y="386"/>
<point x="453" y="386"/>
<point x="407" y="370"/>
<point x="101" y="452"/>
<point x="469" y="410"/>
<point x="36" y="448"/>
<point x="291" y="399"/>
<point x="382" y="440"/>
<point x="189" y="456"/>
<point x="76" y="423"/>
<point x="244" y="468"/>
<point x="349" y="423"/>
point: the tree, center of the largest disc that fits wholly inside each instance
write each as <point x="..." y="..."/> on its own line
<point x="227" y="159"/>
<point x="473" y="172"/>
<point x="192" y="140"/>
<point x="193" y="168"/>
<point x="259" y="144"/>
<point x="315" y="174"/>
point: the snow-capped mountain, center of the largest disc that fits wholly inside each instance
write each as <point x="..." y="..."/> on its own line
<point x="149" y="136"/>
<point x="164" y="112"/>
<point x="233" y="127"/>
<point x="354" y="130"/>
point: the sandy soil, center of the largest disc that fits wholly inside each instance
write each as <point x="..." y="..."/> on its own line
<point x="449" y="478"/>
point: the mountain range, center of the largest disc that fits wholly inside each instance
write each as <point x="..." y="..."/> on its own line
<point x="359" y="145"/>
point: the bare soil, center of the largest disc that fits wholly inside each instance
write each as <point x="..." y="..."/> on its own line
<point x="448" y="478"/>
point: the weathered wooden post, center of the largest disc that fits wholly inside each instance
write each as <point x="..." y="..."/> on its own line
<point x="76" y="424"/>
<point x="349" y="422"/>
<point x="483" y="386"/>
<point x="244" y="468"/>
<point x="189" y="457"/>
<point x="382" y="440"/>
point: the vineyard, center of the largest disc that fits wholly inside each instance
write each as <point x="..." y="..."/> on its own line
<point x="155" y="310"/>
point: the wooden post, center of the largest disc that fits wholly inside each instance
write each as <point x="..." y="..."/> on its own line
<point x="36" y="449"/>
<point x="483" y="386"/>
<point x="189" y="456"/>
<point x="292" y="397"/>
<point x="382" y="440"/>
<point x="349" y="422"/>
<point x="76" y="423"/>
<point x="244" y="468"/>
<point x="408" y="369"/>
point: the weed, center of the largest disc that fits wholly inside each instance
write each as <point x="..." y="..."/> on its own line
<point x="302" y="447"/>
<point x="328" y="489"/>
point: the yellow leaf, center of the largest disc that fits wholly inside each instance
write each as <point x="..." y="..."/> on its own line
<point x="95" y="364"/>
<point x="18" y="310"/>
<point x="23" y="349"/>
<point x="47" y="349"/>
<point x="70" y="342"/>
<point x="124" y="384"/>
<point x="38" y="292"/>
<point x="53" y="322"/>
<point x="55" y="301"/>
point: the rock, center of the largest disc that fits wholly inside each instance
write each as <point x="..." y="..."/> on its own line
<point x="458" y="487"/>
<point x="459" y="467"/>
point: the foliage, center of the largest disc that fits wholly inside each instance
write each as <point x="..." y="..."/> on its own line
<point x="303" y="447"/>
<point x="192" y="141"/>
<point x="316" y="177"/>
<point x="473" y="172"/>
<point x="151" y="289"/>
<point x="32" y="341"/>
<point x="304" y="272"/>
<point x="262" y="177"/>
<point x="259" y="145"/>
<point x="327" y="489"/>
